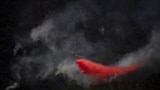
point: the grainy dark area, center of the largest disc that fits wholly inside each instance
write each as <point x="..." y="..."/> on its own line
<point x="101" y="30"/>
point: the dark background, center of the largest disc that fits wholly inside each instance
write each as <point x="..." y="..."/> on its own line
<point x="18" y="17"/>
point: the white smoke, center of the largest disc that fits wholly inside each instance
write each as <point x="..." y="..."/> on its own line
<point x="146" y="53"/>
<point x="42" y="31"/>
<point x="59" y="34"/>
<point x="11" y="87"/>
<point x="72" y="71"/>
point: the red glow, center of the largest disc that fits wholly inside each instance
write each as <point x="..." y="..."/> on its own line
<point x="100" y="71"/>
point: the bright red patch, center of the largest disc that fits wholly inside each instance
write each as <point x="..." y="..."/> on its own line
<point x="100" y="71"/>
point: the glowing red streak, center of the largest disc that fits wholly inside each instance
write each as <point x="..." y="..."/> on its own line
<point x="100" y="71"/>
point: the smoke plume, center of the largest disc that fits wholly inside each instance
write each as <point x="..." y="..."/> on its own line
<point x="90" y="30"/>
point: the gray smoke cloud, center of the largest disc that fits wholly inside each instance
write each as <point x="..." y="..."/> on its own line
<point x="148" y="52"/>
<point x="63" y="40"/>
<point x="58" y="33"/>
<point x="72" y="71"/>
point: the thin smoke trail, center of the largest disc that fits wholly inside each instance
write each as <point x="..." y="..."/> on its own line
<point x="15" y="85"/>
<point x="148" y="52"/>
